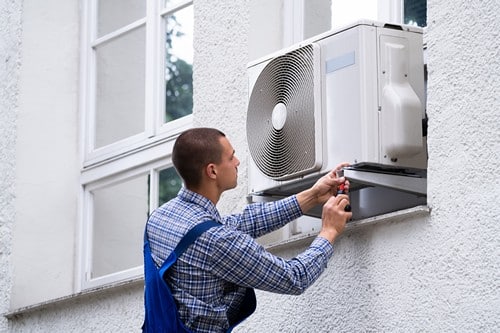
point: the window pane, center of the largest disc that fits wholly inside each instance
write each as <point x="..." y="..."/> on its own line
<point x="114" y="14"/>
<point x="120" y="213"/>
<point x="170" y="3"/>
<point x="415" y="12"/>
<point x="345" y="12"/>
<point x="170" y="184"/>
<point x="179" y="64"/>
<point x="120" y="71"/>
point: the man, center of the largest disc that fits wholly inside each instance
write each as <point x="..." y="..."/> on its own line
<point x="212" y="281"/>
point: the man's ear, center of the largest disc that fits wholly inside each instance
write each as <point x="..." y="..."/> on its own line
<point x="211" y="171"/>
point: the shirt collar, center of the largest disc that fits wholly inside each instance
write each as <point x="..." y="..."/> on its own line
<point x="198" y="199"/>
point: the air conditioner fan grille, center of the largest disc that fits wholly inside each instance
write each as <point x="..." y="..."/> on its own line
<point x="280" y="119"/>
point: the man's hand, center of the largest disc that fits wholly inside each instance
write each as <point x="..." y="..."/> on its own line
<point x="334" y="217"/>
<point x="323" y="189"/>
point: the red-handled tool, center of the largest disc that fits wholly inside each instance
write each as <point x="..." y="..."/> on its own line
<point x="341" y="190"/>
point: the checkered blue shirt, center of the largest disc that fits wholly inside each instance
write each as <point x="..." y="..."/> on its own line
<point x="209" y="280"/>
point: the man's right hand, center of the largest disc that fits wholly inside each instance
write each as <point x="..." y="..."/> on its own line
<point x="334" y="217"/>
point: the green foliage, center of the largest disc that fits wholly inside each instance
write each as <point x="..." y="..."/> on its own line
<point x="178" y="76"/>
<point x="179" y="90"/>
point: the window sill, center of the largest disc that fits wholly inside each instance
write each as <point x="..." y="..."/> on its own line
<point x="421" y="210"/>
<point x="13" y="313"/>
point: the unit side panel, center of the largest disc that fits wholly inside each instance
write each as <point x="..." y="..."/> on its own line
<point x="370" y="136"/>
<point x="392" y="123"/>
<point x="344" y="57"/>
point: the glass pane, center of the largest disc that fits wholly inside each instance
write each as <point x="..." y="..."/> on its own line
<point x="170" y="184"/>
<point x="171" y="3"/>
<point x="179" y="64"/>
<point x="345" y="12"/>
<point x="120" y="213"/>
<point x="120" y="71"/>
<point x="415" y="12"/>
<point x="114" y="14"/>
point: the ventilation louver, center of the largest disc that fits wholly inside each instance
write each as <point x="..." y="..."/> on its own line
<point x="282" y="121"/>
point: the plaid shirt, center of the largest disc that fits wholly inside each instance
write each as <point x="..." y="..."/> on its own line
<point x="209" y="280"/>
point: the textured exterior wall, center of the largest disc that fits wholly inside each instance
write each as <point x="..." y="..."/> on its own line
<point x="10" y="42"/>
<point x="117" y="311"/>
<point x="464" y="162"/>
<point x="220" y="81"/>
<point x="430" y="273"/>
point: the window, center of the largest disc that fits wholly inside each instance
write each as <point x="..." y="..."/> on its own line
<point x="415" y="12"/>
<point x="137" y="96"/>
<point x="117" y="208"/>
<point x="306" y="19"/>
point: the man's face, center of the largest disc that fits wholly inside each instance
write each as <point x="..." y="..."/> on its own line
<point x="227" y="169"/>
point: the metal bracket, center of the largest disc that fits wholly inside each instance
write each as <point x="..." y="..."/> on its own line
<point x="412" y="183"/>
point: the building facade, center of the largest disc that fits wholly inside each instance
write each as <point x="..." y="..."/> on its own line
<point x="436" y="270"/>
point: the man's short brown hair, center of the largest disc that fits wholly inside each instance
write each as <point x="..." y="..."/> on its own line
<point x="193" y="150"/>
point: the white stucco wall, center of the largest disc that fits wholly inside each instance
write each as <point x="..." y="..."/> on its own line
<point x="431" y="273"/>
<point x="221" y="101"/>
<point x="10" y="40"/>
<point x="47" y="168"/>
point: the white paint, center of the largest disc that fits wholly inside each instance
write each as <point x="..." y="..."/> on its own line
<point x="345" y="12"/>
<point x="437" y="273"/>
<point x="46" y="154"/>
<point x="279" y="116"/>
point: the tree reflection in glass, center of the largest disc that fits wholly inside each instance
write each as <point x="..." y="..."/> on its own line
<point x="178" y="65"/>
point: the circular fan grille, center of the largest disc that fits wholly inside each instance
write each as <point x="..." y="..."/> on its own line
<point x="280" y="118"/>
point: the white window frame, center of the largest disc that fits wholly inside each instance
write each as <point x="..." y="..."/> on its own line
<point x="155" y="129"/>
<point x="293" y="28"/>
<point x="152" y="169"/>
<point x="145" y="153"/>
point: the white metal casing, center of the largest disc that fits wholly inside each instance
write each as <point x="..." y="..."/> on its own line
<point x="371" y="100"/>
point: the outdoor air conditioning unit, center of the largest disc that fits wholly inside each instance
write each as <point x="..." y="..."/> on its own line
<point x="354" y="95"/>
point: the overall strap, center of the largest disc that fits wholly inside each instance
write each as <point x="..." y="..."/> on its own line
<point x="187" y="240"/>
<point x="161" y="315"/>
<point x="192" y="234"/>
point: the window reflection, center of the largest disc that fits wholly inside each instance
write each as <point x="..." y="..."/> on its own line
<point x="120" y="80"/>
<point x="170" y="3"/>
<point x="169" y="186"/>
<point x="415" y="12"/>
<point x="115" y="14"/>
<point x="179" y="64"/>
<point x="120" y="213"/>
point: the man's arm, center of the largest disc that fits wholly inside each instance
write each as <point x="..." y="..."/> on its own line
<point x="237" y="258"/>
<point x="260" y="218"/>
